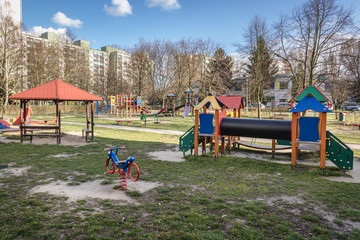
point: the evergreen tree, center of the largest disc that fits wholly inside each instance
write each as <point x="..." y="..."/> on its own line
<point x="220" y="72"/>
<point x="261" y="70"/>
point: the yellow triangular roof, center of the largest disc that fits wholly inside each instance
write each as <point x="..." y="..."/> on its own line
<point x="210" y="99"/>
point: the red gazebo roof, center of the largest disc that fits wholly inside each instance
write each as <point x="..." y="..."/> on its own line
<point x="231" y="102"/>
<point x="56" y="90"/>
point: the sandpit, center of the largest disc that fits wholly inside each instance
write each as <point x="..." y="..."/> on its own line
<point x="94" y="190"/>
<point x="170" y="156"/>
<point x="69" y="139"/>
<point x="13" y="171"/>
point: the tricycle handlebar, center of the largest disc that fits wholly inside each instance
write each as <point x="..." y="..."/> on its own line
<point x="110" y="149"/>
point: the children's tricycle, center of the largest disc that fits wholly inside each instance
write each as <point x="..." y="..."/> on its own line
<point x="123" y="167"/>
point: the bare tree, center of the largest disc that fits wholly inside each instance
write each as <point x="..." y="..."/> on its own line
<point x="336" y="78"/>
<point x="351" y="59"/>
<point x="37" y="63"/>
<point x="161" y="72"/>
<point x="10" y="53"/>
<point x="261" y="69"/>
<point x="140" y="69"/>
<point x="313" y="29"/>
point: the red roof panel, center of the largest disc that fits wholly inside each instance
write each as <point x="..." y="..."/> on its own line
<point x="56" y="90"/>
<point x="231" y="102"/>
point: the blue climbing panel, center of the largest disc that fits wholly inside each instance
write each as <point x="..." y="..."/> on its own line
<point x="310" y="103"/>
<point x="309" y="129"/>
<point x="206" y="123"/>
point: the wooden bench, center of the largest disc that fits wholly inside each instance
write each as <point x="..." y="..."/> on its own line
<point x="356" y="124"/>
<point x="124" y="121"/>
<point x="86" y="132"/>
<point x="30" y="128"/>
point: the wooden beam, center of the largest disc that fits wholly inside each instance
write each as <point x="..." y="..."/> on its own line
<point x="196" y="135"/>
<point x="222" y="145"/>
<point x="59" y="121"/>
<point x="21" y="121"/>
<point x="92" y="119"/>
<point x="216" y="132"/>
<point x="294" y="129"/>
<point x="322" y="139"/>
<point x="273" y="148"/>
<point x="204" y="142"/>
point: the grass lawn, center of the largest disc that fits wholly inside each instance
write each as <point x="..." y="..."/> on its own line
<point x="232" y="198"/>
<point x="168" y="123"/>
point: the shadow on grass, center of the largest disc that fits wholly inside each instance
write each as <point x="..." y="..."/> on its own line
<point x="201" y="198"/>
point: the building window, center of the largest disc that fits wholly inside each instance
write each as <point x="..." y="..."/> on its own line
<point x="284" y="85"/>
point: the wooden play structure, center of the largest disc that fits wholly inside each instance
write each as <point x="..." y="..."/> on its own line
<point x="204" y="131"/>
<point x="313" y="130"/>
<point x="297" y="134"/>
<point x="172" y="106"/>
<point x="57" y="91"/>
<point x="189" y="107"/>
<point x="125" y="105"/>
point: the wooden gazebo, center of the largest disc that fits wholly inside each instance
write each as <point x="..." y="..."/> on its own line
<point x="57" y="91"/>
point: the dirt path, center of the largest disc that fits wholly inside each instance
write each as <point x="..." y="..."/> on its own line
<point x="161" y="131"/>
<point x="69" y="139"/>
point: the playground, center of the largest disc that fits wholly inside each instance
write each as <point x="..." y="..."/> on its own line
<point x="60" y="191"/>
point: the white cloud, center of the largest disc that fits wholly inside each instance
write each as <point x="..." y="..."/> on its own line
<point x="166" y="5"/>
<point x="38" y="30"/>
<point x="118" y="8"/>
<point x="62" y="20"/>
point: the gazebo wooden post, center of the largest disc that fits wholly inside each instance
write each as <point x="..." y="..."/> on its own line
<point x="239" y="116"/>
<point x="92" y="119"/>
<point x="58" y="115"/>
<point x="21" y="121"/>
<point x="87" y="114"/>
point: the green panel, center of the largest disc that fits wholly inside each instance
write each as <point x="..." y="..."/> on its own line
<point x="187" y="140"/>
<point x="182" y="105"/>
<point x="312" y="91"/>
<point x="338" y="152"/>
<point x="283" y="142"/>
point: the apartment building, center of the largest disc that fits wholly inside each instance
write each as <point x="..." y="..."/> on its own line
<point x="100" y="63"/>
<point x="279" y="91"/>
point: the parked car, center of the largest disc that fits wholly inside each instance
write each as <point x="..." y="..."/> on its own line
<point x="351" y="106"/>
<point x="255" y="105"/>
<point x="284" y="105"/>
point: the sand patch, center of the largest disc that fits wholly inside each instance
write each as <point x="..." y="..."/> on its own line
<point x="63" y="155"/>
<point x="94" y="190"/>
<point x="4" y="140"/>
<point x="13" y="171"/>
<point x="292" y="200"/>
<point x="69" y="139"/>
<point x="169" y="156"/>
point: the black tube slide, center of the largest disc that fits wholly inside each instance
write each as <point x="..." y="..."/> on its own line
<point x="257" y="128"/>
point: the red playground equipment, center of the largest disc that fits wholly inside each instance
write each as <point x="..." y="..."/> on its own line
<point x="123" y="168"/>
<point x="16" y="121"/>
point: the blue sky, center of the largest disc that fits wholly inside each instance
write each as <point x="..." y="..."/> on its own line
<point x="123" y="22"/>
